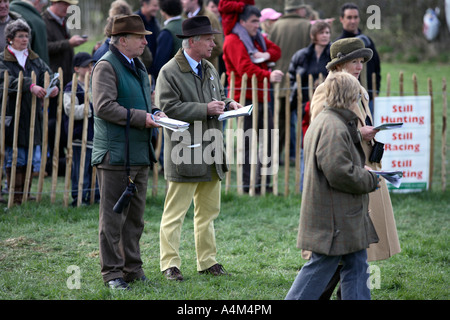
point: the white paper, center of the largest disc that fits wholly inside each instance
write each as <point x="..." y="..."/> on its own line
<point x="244" y="111"/>
<point x="394" y="177"/>
<point x="52" y="84"/>
<point x="388" y="126"/>
<point x="172" y="124"/>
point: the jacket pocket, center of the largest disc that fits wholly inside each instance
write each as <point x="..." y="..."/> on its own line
<point x="188" y="160"/>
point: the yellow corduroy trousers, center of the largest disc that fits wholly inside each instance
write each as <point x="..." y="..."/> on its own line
<point x="206" y="196"/>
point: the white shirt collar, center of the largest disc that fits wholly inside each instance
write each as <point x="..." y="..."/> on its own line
<point x="191" y="61"/>
<point x="170" y="19"/>
<point x="128" y="59"/>
<point x="193" y="14"/>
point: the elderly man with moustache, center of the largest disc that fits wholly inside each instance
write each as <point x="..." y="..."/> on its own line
<point x="189" y="89"/>
<point x="121" y="93"/>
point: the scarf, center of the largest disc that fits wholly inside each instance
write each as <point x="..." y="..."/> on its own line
<point x="249" y="41"/>
<point x="21" y="56"/>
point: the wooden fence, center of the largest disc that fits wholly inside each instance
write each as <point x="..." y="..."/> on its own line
<point x="233" y="125"/>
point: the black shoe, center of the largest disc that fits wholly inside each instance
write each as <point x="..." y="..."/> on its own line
<point x="216" y="270"/>
<point x="142" y="279"/>
<point x="117" y="284"/>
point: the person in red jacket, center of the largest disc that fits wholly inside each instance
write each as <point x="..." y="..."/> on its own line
<point x="237" y="59"/>
<point x="230" y="11"/>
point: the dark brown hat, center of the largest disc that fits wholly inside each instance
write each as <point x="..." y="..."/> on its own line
<point x="196" y="26"/>
<point x="131" y="24"/>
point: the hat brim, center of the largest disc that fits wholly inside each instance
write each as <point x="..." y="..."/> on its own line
<point x="84" y="64"/>
<point x="364" y="53"/>
<point x="140" y="33"/>
<point x="194" y="33"/>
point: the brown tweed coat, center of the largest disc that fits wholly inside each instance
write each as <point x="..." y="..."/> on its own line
<point x="380" y="207"/>
<point x="334" y="218"/>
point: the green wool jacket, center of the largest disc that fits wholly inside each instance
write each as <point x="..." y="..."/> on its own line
<point x="134" y="93"/>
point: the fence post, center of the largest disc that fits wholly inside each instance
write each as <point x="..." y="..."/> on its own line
<point x="276" y="130"/>
<point x="83" y="141"/>
<point x="444" y="134"/>
<point x="12" y="181"/>
<point x="55" y="158"/>
<point x="240" y="138"/>
<point x="69" y="153"/>
<point x="430" y="91"/>
<point x="229" y="136"/>
<point x="388" y="85"/>
<point x="2" y="124"/>
<point x="401" y="83"/>
<point x="28" y="173"/>
<point x="415" y="85"/>
<point x="253" y="159"/>
<point x="44" y="141"/>
<point x="298" y="140"/>
<point x="287" y="139"/>
<point x="265" y="150"/>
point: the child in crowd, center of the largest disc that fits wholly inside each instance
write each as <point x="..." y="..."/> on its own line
<point x="82" y="64"/>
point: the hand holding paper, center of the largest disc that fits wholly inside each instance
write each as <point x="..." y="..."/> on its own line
<point x="394" y="177"/>
<point x="244" y="111"/>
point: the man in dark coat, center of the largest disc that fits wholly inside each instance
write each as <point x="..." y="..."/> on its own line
<point x="60" y="50"/>
<point x="350" y="24"/>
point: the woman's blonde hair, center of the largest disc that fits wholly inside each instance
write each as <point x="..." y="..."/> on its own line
<point x="342" y="89"/>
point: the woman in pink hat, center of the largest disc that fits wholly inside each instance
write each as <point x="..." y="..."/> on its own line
<point x="267" y="19"/>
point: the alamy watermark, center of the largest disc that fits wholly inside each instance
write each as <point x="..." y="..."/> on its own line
<point x="73" y="281"/>
<point x="195" y="146"/>
<point x="373" y="21"/>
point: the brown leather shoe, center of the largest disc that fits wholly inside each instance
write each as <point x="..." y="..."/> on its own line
<point x="216" y="270"/>
<point x="173" y="273"/>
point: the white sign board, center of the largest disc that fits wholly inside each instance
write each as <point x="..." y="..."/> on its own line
<point x="408" y="148"/>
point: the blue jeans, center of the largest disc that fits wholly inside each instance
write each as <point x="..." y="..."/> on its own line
<point x="314" y="276"/>
<point x="22" y="156"/>
<point x="87" y="176"/>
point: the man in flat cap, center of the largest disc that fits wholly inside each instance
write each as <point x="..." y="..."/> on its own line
<point x="121" y="93"/>
<point x="189" y="89"/>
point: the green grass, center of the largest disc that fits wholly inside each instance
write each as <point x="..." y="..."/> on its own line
<point x="256" y="239"/>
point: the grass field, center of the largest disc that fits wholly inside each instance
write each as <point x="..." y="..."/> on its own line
<point x="41" y="244"/>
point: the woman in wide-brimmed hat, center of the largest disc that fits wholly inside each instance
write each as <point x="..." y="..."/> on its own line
<point x="350" y="55"/>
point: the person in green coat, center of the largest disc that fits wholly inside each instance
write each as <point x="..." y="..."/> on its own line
<point x="30" y="11"/>
<point x="120" y="85"/>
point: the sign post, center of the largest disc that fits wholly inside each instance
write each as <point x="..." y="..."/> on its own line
<point x="408" y="148"/>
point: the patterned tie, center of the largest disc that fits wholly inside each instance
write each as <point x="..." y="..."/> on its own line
<point x="199" y="70"/>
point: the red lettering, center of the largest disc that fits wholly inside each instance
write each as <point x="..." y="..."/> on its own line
<point x="406" y="108"/>
<point x="402" y="136"/>
<point x="401" y="163"/>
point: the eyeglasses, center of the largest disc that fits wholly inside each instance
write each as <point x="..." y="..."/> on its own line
<point x="21" y="36"/>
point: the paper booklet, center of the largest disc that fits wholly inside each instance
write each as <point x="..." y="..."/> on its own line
<point x="394" y="177"/>
<point x="244" y="111"/>
<point x="52" y="84"/>
<point x="388" y="126"/>
<point x="172" y="124"/>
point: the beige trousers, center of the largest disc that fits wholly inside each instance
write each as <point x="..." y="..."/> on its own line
<point x="206" y="196"/>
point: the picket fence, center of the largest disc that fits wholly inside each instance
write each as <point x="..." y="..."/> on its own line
<point x="234" y="125"/>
